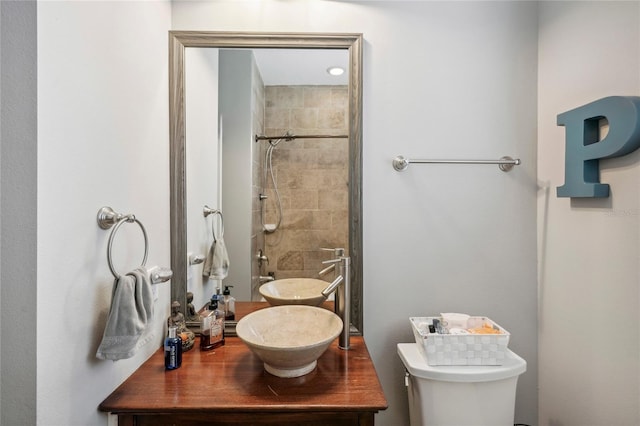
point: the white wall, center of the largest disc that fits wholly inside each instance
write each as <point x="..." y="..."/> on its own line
<point x="102" y="140"/>
<point x="441" y="80"/>
<point x="203" y="161"/>
<point x="236" y="115"/>
<point x="589" y="248"/>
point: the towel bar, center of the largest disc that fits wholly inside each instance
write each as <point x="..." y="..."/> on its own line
<point x="505" y="163"/>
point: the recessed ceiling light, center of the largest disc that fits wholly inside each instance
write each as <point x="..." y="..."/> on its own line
<point x="335" y="70"/>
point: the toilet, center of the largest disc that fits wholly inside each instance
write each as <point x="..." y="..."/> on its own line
<point x="460" y="395"/>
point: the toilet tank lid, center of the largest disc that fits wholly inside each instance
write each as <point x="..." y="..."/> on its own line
<point x="417" y="366"/>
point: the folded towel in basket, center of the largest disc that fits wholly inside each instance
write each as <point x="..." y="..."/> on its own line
<point x="216" y="266"/>
<point x="129" y="322"/>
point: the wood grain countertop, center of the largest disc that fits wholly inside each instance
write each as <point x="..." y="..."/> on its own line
<point x="232" y="378"/>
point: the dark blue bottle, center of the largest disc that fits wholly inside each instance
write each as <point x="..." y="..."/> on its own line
<point x="172" y="350"/>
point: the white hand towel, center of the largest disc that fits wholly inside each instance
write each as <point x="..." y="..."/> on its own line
<point x="216" y="266"/>
<point x="130" y="316"/>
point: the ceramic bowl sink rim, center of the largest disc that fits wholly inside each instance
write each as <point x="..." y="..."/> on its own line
<point x="308" y="292"/>
<point x="250" y="340"/>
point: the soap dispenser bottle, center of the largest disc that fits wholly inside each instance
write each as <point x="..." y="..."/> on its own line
<point x="229" y="304"/>
<point x="172" y="350"/>
<point x="212" y="327"/>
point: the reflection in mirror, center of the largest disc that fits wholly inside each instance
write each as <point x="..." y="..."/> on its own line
<point x="202" y="169"/>
<point x="275" y="149"/>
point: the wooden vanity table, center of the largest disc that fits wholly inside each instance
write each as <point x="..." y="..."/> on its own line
<point x="228" y="386"/>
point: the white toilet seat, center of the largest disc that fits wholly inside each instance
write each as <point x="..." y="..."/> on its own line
<point x="417" y="366"/>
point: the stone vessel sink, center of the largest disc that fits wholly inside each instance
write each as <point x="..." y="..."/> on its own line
<point x="289" y="339"/>
<point x="294" y="291"/>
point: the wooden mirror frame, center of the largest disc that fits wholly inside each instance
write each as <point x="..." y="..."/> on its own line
<point x="178" y="41"/>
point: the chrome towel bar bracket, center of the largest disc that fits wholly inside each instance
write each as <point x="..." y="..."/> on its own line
<point x="107" y="217"/>
<point x="505" y="163"/>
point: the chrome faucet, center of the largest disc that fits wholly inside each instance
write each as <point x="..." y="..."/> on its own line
<point x="342" y="283"/>
<point x="266" y="278"/>
<point x="337" y="252"/>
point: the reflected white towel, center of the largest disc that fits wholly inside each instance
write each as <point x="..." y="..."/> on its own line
<point x="216" y="266"/>
<point x="130" y="316"/>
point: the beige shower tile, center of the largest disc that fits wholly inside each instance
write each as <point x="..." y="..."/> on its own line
<point x="294" y="274"/>
<point x="321" y="220"/>
<point x="317" y="96"/>
<point x="304" y="117"/>
<point x="332" y="159"/>
<point x="284" y="96"/>
<point x="303" y="199"/>
<point x="292" y="178"/>
<point x="299" y="219"/>
<point x="340" y="96"/>
<point x="277" y="117"/>
<point x="339" y="218"/>
<point x="285" y="198"/>
<point x="328" y="238"/>
<point x="300" y="158"/>
<point x="296" y="239"/>
<point x="332" y="118"/>
<point x="280" y="157"/>
<point x="292" y="260"/>
<point x="332" y="199"/>
<point x="323" y="178"/>
<point x="313" y="264"/>
<point x="309" y="178"/>
<point x="328" y="143"/>
<point x="313" y="261"/>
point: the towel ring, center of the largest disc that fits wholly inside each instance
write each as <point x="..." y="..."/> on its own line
<point x="207" y="211"/>
<point x="106" y="219"/>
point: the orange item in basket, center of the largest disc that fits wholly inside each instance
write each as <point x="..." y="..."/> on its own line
<point x="485" y="329"/>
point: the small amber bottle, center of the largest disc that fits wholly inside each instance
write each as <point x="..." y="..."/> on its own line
<point x="211" y="327"/>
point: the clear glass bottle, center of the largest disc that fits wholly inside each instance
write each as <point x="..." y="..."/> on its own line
<point x="229" y="304"/>
<point x="221" y="302"/>
<point x="211" y="327"/>
<point x="172" y="350"/>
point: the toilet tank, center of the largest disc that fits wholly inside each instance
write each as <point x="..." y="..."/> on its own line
<point x="460" y="395"/>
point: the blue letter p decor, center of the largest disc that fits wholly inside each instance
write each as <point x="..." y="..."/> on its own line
<point x="584" y="149"/>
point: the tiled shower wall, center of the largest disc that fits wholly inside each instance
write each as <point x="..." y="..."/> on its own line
<point x="311" y="176"/>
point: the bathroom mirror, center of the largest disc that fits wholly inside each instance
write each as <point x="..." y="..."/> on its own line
<point x="181" y="216"/>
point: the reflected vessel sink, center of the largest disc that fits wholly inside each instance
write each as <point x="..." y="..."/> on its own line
<point x="294" y="291"/>
<point x="289" y="339"/>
